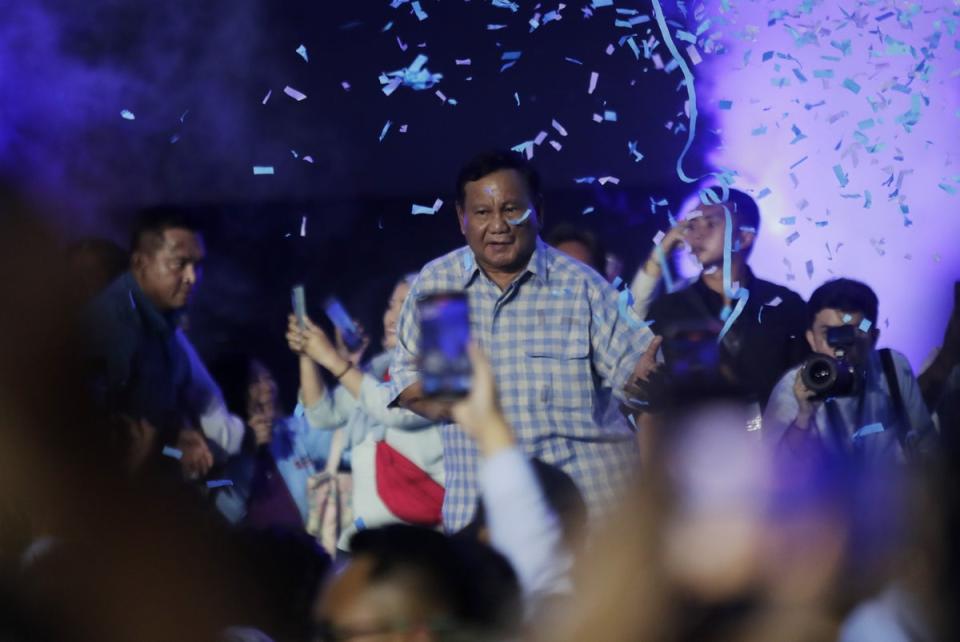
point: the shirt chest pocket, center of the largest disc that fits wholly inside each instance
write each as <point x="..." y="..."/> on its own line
<point x="558" y="360"/>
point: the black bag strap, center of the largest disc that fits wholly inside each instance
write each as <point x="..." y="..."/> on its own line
<point x="903" y="419"/>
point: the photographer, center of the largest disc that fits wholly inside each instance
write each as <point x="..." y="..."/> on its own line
<point x="848" y="398"/>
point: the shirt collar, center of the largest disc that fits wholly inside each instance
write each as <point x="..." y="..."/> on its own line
<point x="538" y="265"/>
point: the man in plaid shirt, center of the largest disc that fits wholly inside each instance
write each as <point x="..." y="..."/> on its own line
<point x="559" y="343"/>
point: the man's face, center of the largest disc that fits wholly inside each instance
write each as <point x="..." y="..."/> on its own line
<point x="704" y="233"/>
<point x="168" y="273"/>
<point x="392" y="314"/>
<point x="834" y="318"/>
<point x="488" y="206"/>
<point x="354" y="608"/>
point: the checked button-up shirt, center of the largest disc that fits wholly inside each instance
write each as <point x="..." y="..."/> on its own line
<point x="560" y="347"/>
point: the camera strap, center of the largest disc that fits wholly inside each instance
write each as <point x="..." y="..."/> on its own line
<point x="903" y="419"/>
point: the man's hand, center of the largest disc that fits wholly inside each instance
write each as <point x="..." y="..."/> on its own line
<point x="636" y="387"/>
<point x="673" y="240"/>
<point x="262" y="425"/>
<point x="197" y="458"/>
<point x="479" y="414"/>
<point x="355" y="356"/>
<point x="806" y="405"/>
<point x="143" y="440"/>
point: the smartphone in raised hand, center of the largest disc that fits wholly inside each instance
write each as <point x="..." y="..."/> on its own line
<point x="298" y="300"/>
<point x="444" y="364"/>
<point x="342" y="321"/>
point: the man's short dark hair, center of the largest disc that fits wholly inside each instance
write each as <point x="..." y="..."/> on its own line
<point x="843" y="294"/>
<point x="567" y="233"/>
<point x="154" y="221"/>
<point x="473" y="586"/>
<point x="489" y="162"/>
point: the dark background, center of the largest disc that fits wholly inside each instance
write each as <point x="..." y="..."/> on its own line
<point x="195" y="75"/>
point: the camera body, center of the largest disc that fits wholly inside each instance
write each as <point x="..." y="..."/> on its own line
<point x="838" y="376"/>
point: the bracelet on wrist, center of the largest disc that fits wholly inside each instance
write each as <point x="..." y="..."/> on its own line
<point x="345" y="371"/>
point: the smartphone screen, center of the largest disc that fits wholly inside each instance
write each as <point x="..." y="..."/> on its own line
<point x="444" y="334"/>
<point x="339" y="317"/>
<point x="299" y="302"/>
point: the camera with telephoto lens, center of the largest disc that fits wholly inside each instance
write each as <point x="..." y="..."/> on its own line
<point x="837" y="376"/>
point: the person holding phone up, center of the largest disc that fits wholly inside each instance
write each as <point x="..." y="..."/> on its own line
<point x="396" y="455"/>
<point x="559" y="341"/>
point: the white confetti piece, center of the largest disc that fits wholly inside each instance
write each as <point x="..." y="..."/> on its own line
<point x="302" y="52"/>
<point x="263" y="170"/>
<point x="295" y="94"/>
<point x="594" y="76"/>
<point x="559" y="128"/>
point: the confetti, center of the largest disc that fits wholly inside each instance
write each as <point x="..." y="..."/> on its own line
<point x="418" y="11"/>
<point x="170" y="451"/>
<point x="594" y="76"/>
<point x="868" y="430"/>
<point x="295" y="94"/>
<point x="219" y="483"/>
<point x="850" y="84"/>
<point x="520" y="219"/>
<point x="559" y="128"/>
<point x="262" y="170"/>
<point x="865" y="325"/>
<point x="302" y="52"/>
<point x="126" y="114"/>
<point x="303" y="226"/>
<point x="386" y="128"/>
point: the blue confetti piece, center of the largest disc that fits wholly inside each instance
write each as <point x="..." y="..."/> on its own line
<point x="632" y="149"/>
<point x="865" y="325"/>
<point x="418" y="11"/>
<point x="850" y="84"/>
<point x="263" y="170"/>
<point x="521" y="219"/>
<point x="762" y="194"/>
<point x="610" y="116"/>
<point x="870" y="429"/>
<point x="587" y="210"/>
<point x="573" y="60"/>
<point x="725" y="104"/>
<point x="506" y="4"/>
<point x="302" y="51"/>
<point x="793" y="237"/>
<point x="386" y="128"/>
<point x="170" y="451"/>
<point x="627" y="313"/>
<point x="126" y="114"/>
<point x="516" y="97"/>
<point x="219" y="483"/>
<point x="788" y="220"/>
<point x="841" y="176"/>
<point x="421" y="209"/>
